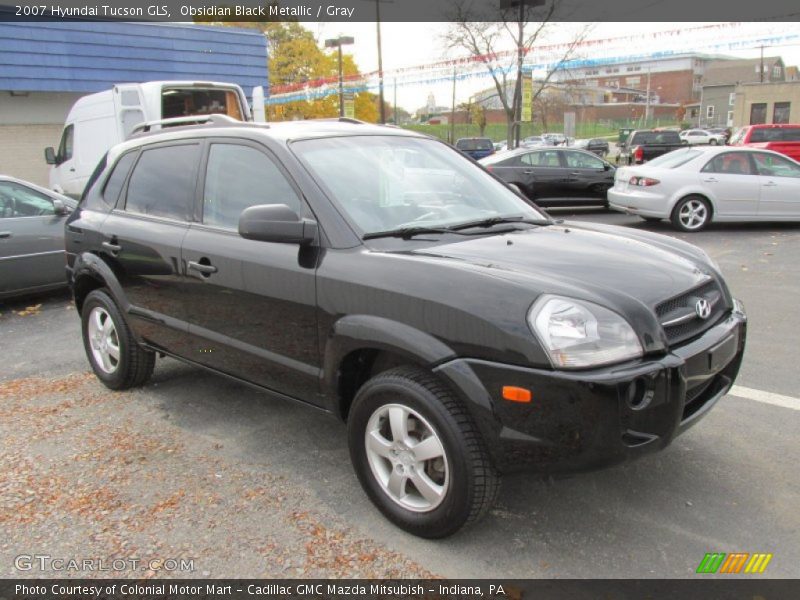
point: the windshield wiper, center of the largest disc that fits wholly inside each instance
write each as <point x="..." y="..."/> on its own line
<point x="489" y="222"/>
<point x="407" y="232"/>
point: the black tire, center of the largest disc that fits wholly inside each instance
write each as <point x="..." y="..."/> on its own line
<point x="134" y="365"/>
<point x="713" y="142"/>
<point x="679" y="222"/>
<point x="473" y="481"/>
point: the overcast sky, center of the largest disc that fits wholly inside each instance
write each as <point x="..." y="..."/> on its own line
<point x="410" y="44"/>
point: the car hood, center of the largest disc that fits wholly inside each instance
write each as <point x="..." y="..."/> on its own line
<point x="628" y="271"/>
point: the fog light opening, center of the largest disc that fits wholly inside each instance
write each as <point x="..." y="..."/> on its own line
<point x="637" y="395"/>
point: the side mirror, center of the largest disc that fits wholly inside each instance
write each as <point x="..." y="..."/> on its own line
<point x="606" y="167"/>
<point x="50" y="155"/>
<point x="276" y="223"/>
<point x="60" y="207"/>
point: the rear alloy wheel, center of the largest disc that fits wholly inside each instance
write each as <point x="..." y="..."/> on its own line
<point x="692" y="213"/>
<point x="713" y="142"/>
<point x="117" y="360"/>
<point x="418" y="455"/>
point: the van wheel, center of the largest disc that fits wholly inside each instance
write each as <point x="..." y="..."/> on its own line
<point x="117" y="360"/>
<point x="692" y="213"/>
<point x="418" y="455"/>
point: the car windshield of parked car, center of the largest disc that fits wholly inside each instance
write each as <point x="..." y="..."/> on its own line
<point x="674" y="159"/>
<point x="385" y="183"/>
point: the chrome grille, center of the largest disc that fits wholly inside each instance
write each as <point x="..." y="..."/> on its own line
<point x="679" y="318"/>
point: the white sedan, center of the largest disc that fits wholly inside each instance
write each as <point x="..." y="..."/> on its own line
<point x="697" y="185"/>
<point x="694" y="137"/>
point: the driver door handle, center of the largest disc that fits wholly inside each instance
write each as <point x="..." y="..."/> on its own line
<point x="5" y="234"/>
<point x="711" y="180"/>
<point x="770" y="184"/>
<point x="111" y="247"/>
<point x="201" y="268"/>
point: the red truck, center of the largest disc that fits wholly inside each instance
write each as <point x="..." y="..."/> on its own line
<point x="783" y="138"/>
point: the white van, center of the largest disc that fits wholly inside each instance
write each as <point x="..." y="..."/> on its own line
<point x="99" y="121"/>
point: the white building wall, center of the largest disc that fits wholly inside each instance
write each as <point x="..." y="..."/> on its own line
<point x="28" y="124"/>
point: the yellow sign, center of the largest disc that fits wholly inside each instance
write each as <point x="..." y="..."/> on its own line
<point x="349" y="105"/>
<point x="527" y="98"/>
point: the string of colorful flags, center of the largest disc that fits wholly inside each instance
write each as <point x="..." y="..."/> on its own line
<point x="544" y="58"/>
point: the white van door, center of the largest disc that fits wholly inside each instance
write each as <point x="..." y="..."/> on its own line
<point x="63" y="171"/>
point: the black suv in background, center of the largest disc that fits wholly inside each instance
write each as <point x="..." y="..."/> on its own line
<point x="383" y="277"/>
<point x="643" y="145"/>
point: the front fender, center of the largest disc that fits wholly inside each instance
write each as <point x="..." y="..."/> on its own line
<point x="368" y="332"/>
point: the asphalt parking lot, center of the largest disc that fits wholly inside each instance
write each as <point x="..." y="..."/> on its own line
<point x="196" y="466"/>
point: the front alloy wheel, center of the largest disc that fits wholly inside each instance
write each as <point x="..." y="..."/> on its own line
<point x="407" y="457"/>
<point x="418" y="455"/>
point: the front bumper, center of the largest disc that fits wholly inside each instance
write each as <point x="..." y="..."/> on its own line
<point x="584" y="420"/>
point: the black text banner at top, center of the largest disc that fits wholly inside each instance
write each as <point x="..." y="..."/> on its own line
<point x="631" y="11"/>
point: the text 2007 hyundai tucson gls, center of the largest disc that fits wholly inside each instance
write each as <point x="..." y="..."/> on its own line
<point x="384" y="277"/>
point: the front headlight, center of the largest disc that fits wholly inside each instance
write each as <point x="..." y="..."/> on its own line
<point x="576" y="333"/>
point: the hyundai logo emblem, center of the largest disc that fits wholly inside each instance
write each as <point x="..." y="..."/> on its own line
<point x="703" y="308"/>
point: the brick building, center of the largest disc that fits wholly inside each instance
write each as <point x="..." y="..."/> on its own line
<point x="673" y="79"/>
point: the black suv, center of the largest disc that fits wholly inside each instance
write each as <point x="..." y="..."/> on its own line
<point x="385" y="278"/>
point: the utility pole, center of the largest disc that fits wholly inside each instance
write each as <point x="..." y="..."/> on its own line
<point x="338" y="43"/>
<point x="647" y="102"/>
<point x="380" y="61"/>
<point x="453" y="112"/>
<point x="395" y="101"/>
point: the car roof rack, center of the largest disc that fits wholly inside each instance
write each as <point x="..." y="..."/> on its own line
<point x="215" y="119"/>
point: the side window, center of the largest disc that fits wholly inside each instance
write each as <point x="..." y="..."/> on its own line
<point x="730" y="163"/>
<point x="238" y="177"/>
<point x="775" y="166"/>
<point x="66" y="145"/>
<point x="578" y="160"/>
<point x="116" y="180"/>
<point x="548" y="158"/>
<point x="163" y="182"/>
<point x="21" y="201"/>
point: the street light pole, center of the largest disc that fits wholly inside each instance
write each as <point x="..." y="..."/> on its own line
<point x="338" y="43"/>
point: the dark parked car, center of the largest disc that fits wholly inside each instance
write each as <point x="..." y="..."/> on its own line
<point x="555" y="177"/>
<point x="597" y="146"/>
<point x="644" y="145"/>
<point x="477" y="148"/>
<point x="31" y="237"/>
<point x="457" y="330"/>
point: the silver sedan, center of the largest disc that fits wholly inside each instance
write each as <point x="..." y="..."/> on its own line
<point x="695" y="186"/>
<point x="31" y="237"/>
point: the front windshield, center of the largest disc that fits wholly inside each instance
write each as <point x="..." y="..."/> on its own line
<point x="385" y="183"/>
<point x="674" y="159"/>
